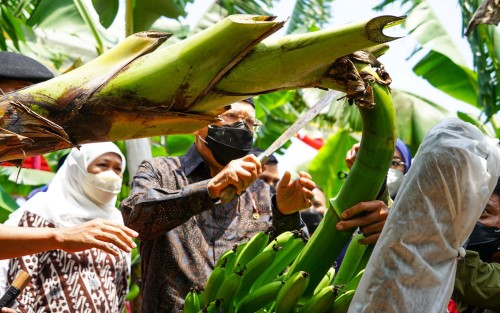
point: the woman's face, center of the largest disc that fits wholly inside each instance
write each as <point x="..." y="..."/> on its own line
<point x="107" y="161"/>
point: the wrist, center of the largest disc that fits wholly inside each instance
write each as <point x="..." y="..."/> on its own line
<point x="56" y="238"/>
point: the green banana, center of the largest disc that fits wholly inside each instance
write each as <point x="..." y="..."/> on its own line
<point x="290" y="293"/>
<point x="253" y="270"/>
<point x="133" y="292"/>
<point x="232" y="259"/>
<point x="281" y="240"/>
<point x="327" y="279"/>
<point x="228" y="290"/>
<point x="321" y="301"/>
<point x="352" y="257"/>
<point x="353" y="284"/>
<point x="284" y="257"/>
<point x="212" y="307"/>
<point x="364" y="258"/>
<point x="225" y="258"/>
<point x="342" y="302"/>
<point x="192" y="302"/>
<point x="370" y="168"/>
<point x="252" y="248"/>
<point x="259" y="298"/>
<point x="213" y="284"/>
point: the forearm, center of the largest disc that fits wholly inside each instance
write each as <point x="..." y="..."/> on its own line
<point x="282" y="223"/>
<point x="19" y="241"/>
<point x="476" y="282"/>
<point x="155" y="211"/>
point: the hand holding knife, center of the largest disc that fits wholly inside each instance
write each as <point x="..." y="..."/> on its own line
<point x="228" y="193"/>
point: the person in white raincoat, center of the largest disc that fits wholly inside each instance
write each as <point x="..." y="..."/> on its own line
<point x="413" y="265"/>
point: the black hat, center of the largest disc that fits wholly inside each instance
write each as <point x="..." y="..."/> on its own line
<point x="19" y="67"/>
<point x="249" y="100"/>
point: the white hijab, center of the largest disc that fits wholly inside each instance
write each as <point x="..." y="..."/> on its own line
<point x="65" y="203"/>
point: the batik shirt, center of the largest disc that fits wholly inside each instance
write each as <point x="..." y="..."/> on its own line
<point x="85" y="282"/>
<point x="183" y="231"/>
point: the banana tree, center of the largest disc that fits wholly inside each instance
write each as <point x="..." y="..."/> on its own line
<point x="136" y="90"/>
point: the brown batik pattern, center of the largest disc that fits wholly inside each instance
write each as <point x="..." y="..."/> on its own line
<point x="85" y="282"/>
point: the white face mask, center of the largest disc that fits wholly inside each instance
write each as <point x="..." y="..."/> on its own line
<point x="394" y="180"/>
<point x="102" y="187"/>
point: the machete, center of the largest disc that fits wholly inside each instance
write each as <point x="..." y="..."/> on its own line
<point x="228" y="193"/>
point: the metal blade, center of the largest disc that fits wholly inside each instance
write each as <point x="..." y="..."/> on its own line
<point x="303" y="120"/>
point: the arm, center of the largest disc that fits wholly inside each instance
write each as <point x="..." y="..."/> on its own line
<point x="98" y="233"/>
<point x="476" y="282"/>
<point x="152" y="209"/>
<point x="369" y="216"/>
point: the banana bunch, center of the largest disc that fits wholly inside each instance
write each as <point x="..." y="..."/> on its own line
<point x="251" y="278"/>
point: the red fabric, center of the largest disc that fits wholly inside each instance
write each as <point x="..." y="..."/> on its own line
<point x="37" y="162"/>
<point x="316" y="143"/>
<point x="452" y="307"/>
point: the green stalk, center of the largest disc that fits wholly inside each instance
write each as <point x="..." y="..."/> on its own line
<point x="363" y="182"/>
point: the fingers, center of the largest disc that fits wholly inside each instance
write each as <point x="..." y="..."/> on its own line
<point x="239" y="173"/>
<point x="371" y="239"/>
<point x="363" y="207"/>
<point x="98" y="233"/>
<point x="351" y="155"/>
<point x="285" y="180"/>
<point x="116" y="235"/>
<point x="363" y="214"/>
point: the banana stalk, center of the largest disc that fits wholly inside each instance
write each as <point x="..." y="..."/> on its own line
<point x="138" y="90"/>
<point x="368" y="172"/>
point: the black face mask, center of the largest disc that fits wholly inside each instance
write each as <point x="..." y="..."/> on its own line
<point x="229" y="142"/>
<point x="485" y="241"/>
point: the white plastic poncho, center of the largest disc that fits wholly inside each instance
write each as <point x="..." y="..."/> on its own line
<point x="412" y="268"/>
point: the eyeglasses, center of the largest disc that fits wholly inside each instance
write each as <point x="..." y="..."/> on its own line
<point x="232" y="117"/>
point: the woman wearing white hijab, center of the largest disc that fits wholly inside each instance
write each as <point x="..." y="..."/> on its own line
<point x="83" y="189"/>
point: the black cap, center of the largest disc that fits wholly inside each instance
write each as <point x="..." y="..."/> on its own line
<point x="19" y="67"/>
<point x="249" y="100"/>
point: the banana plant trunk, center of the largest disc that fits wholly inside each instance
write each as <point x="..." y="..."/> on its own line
<point x="142" y="88"/>
<point x="367" y="84"/>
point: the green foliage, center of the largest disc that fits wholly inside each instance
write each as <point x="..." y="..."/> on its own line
<point x="310" y="14"/>
<point x="437" y="69"/>
<point x="276" y="113"/>
<point x="484" y="42"/>
<point x="7" y="204"/>
<point x="107" y="10"/>
<point x="328" y="168"/>
<point x="11" y="27"/>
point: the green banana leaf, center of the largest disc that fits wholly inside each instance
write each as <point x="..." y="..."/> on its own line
<point x="7" y="204"/>
<point x="443" y="66"/>
<point x="415" y="116"/>
<point x="10" y="28"/>
<point x="107" y="10"/>
<point x="328" y="169"/>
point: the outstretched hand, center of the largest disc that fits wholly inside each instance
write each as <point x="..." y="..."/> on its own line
<point x="97" y="233"/>
<point x="293" y="196"/>
<point x="369" y="216"/>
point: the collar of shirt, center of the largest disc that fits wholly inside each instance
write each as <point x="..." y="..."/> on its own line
<point x="191" y="160"/>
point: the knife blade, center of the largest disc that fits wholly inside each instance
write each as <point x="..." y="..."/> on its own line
<point x="228" y="193"/>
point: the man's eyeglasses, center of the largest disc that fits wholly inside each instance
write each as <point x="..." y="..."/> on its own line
<point x="233" y="117"/>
